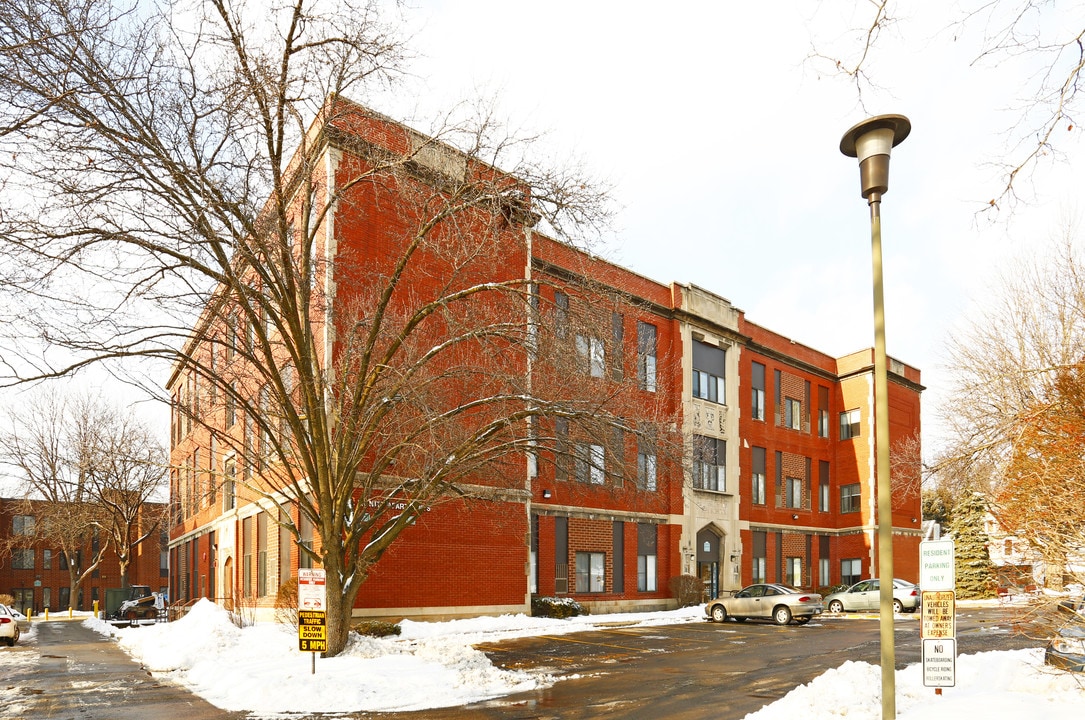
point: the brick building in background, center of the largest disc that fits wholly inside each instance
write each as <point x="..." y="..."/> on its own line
<point x="35" y="573"/>
<point x="775" y="482"/>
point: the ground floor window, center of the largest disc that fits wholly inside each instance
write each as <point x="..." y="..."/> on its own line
<point x="823" y="572"/>
<point x="793" y="570"/>
<point x="851" y="571"/>
<point x="590" y="572"/>
<point x="646" y="573"/>
<point x="758" y="574"/>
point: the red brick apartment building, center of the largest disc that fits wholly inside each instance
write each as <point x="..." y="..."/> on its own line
<point x="35" y="573"/>
<point x="724" y="509"/>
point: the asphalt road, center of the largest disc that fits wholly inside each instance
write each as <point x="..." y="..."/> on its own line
<point x="697" y="671"/>
<point x="689" y="671"/>
<point x="81" y="675"/>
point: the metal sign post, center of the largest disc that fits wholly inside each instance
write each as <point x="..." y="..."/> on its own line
<point x="312" y="615"/>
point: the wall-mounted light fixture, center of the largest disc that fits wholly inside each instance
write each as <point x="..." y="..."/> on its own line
<point x="546" y="493"/>
<point x="794" y="517"/>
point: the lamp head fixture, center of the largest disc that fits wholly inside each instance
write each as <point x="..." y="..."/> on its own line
<point x="871" y="142"/>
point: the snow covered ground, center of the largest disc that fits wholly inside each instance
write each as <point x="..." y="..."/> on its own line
<point x="260" y="670"/>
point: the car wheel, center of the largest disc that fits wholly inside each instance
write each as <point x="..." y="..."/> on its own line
<point x="719" y="614"/>
<point x="898" y="606"/>
<point x="782" y="615"/>
<point x="836" y="606"/>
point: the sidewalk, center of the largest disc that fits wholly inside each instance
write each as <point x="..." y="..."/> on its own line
<point x="66" y="671"/>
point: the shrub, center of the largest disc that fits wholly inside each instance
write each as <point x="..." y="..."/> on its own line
<point x="286" y="604"/>
<point x="687" y="589"/>
<point x="555" y="607"/>
<point x="377" y="628"/>
<point x="6" y="599"/>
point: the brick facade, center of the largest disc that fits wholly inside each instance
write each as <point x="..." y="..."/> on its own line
<point x="46" y="583"/>
<point x="613" y="543"/>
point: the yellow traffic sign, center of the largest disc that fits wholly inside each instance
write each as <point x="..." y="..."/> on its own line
<point x="312" y="631"/>
<point x="938" y="618"/>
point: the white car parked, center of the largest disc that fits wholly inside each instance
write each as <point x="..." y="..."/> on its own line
<point x="9" y="626"/>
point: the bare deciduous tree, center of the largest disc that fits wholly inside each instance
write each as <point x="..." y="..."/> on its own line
<point x="85" y="472"/>
<point x="1048" y="36"/>
<point x="1015" y="411"/>
<point x="174" y="164"/>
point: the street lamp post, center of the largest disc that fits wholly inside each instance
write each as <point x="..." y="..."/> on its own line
<point x="871" y="142"/>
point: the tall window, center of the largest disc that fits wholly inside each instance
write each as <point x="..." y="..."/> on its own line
<point x="231" y="404"/>
<point x="823" y="411"/>
<point x="229" y="476"/>
<point x="305" y="541"/>
<point x="757" y="489"/>
<point x="851" y="571"/>
<point x="709" y="471"/>
<point x="757" y="402"/>
<point x="646" y="557"/>
<point x="793" y="571"/>
<point x="590" y="355"/>
<point x="284" y="547"/>
<point x="261" y="555"/>
<point x="617" y="340"/>
<point x="248" y="557"/>
<point x="22" y="559"/>
<point x="849" y="498"/>
<point x="231" y="335"/>
<point x="646" y="464"/>
<point x="590" y="463"/>
<point x="561" y="449"/>
<point x="46" y="559"/>
<point x="709" y="371"/>
<point x="849" y="424"/>
<point x="793" y="492"/>
<point x="22" y="525"/>
<point x="590" y="572"/>
<point x="760" y="553"/>
<point x="561" y="314"/>
<point x="646" y="356"/>
<point x="823" y="572"/>
<point x="792" y="414"/>
<point x="823" y="485"/>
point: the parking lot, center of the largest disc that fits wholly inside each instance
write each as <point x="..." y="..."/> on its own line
<point x="709" y="670"/>
<point x="684" y="671"/>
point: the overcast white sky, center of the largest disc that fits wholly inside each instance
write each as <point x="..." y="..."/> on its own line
<point x="724" y="148"/>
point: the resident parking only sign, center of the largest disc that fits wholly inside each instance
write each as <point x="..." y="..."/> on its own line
<point x="936" y="565"/>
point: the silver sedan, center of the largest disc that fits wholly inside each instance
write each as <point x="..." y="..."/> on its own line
<point x="866" y="596"/>
<point x="780" y="603"/>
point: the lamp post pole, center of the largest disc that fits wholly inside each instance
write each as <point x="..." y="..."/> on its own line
<point x="871" y="142"/>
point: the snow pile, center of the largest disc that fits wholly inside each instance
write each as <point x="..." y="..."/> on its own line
<point x="259" y="669"/>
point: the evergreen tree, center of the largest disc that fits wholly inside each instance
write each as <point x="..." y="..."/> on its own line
<point x="975" y="577"/>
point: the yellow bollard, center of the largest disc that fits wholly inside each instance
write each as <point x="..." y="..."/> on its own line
<point x="70" y="615"/>
<point x="46" y="614"/>
<point x="95" y="609"/>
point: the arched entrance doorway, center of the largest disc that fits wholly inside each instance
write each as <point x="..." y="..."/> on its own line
<point x="228" y="584"/>
<point x="708" y="560"/>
